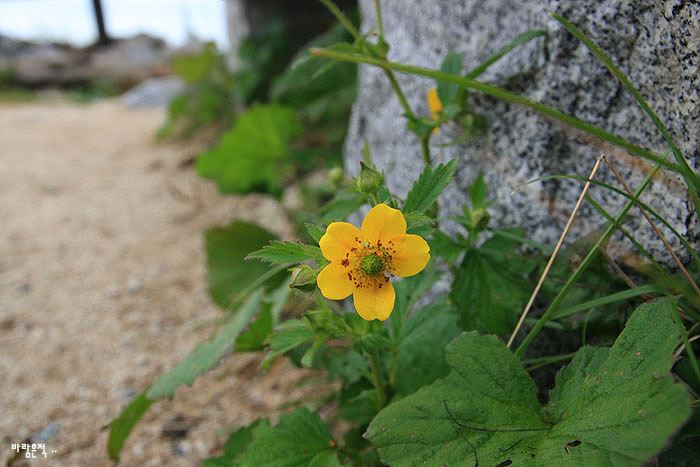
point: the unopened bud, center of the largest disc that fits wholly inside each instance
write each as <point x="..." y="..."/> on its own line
<point x="335" y="175"/>
<point x="480" y="219"/>
<point x="369" y="179"/>
<point x="303" y="278"/>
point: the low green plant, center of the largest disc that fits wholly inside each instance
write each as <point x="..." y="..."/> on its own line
<point x="430" y="382"/>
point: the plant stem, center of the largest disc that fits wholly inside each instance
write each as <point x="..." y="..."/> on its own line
<point x="377" y="379"/>
<point x="425" y="150"/>
<point x="380" y="25"/>
<point x="347" y="24"/>
<point x="399" y="93"/>
<point x="504" y="95"/>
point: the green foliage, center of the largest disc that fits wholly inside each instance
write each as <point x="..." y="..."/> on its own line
<point x="609" y="407"/>
<point x="228" y="272"/>
<point x="209" y="98"/>
<point x="206" y="356"/>
<point x="300" y="438"/>
<point x="322" y="93"/>
<point x="491" y="286"/>
<point x="427" y="188"/>
<point x="452" y="64"/>
<point x="254" y="154"/>
<point x="236" y="444"/>
<point x="421" y="344"/>
<point x="287" y="252"/>
<point x="120" y="428"/>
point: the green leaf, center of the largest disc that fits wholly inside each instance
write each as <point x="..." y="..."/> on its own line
<point x="452" y="64"/>
<point x="251" y="155"/>
<point x="490" y="286"/>
<point x="193" y="68"/>
<point x="290" y="334"/>
<point x="286" y="252"/>
<point x="315" y="231"/>
<point x="609" y="407"/>
<point x="206" y="356"/>
<point x="235" y="445"/>
<point x="408" y="291"/>
<point x="421" y="349"/>
<point x="228" y="272"/>
<point x="121" y="427"/>
<point x="253" y="338"/>
<point x="300" y="438"/>
<point x="427" y="188"/>
<point x="478" y="190"/>
<point x="342" y="205"/>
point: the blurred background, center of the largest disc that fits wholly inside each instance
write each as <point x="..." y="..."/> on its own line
<point x="74" y="22"/>
<point x="133" y="150"/>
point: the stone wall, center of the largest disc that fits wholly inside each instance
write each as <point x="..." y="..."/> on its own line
<point x="655" y="43"/>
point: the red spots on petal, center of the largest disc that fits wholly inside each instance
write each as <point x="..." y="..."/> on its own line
<point x="345" y="263"/>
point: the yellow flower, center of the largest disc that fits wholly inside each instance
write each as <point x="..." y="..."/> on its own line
<point x="435" y="106"/>
<point x="362" y="261"/>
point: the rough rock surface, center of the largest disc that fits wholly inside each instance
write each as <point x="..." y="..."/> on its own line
<point x="654" y="43"/>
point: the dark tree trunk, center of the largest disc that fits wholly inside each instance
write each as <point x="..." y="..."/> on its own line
<point x="103" y="39"/>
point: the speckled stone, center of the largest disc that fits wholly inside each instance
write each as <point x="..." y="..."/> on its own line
<point x="655" y="43"/>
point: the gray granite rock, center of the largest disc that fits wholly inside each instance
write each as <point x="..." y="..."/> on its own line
<point x="655" y="43"/>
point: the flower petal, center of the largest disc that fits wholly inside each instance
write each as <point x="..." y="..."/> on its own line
<point x="334" y="282"/>
<point x="412" y="254"/>
<point x="383" y="223"/>
<point x="338" y="239"/>
<point x="374" y="302"/>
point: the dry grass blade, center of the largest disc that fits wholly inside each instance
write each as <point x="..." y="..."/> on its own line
<point x="569" y="222"/>
<point x="656" y="230"/>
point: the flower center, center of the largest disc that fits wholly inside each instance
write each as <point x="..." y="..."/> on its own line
<point x="371" y="265"/>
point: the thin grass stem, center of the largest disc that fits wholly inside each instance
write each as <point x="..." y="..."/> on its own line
<point x="569" y="223"/>
<point x="580" y="269"/>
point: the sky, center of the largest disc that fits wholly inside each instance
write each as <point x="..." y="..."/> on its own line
<point x="73" y="20"/>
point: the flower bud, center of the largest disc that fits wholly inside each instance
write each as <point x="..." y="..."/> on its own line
<point x="335" y="176"/>
<point x="369" y="179"/>
<point x="303" y="278"/>
<point x="480" y="219"/>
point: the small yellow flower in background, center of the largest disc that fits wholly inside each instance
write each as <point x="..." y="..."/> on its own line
<point x="435" y="106"/>
<point x="362" y="261"/>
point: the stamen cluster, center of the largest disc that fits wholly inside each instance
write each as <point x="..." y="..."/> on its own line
<point x="369" y="264"/>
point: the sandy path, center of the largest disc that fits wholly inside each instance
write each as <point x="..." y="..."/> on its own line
<point x="102" y="287"/>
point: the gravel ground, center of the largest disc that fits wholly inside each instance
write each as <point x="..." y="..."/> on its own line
<point x="103" y="288"/>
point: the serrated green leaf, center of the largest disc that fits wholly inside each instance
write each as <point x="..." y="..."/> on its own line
<point x="228" y="272"/>
<point x="253" y="338"/>
<point x="408" y="291"/>
<point x="300" y="438"/>
<point x="286" y="252"/>
<point x="121" y="427"/>
<point x="290" y="334"/>
<point x="452" y="64"/>
<point x="478" y="190"/>
<point x="489" y="290"/>
<point x="315" y="231"/>
<point x="342" y="205"/>
<point x="252" y="154"/>
<point x="427" y="188"/>
<point x="207" y="355"/>
<point x="609" y="407"/>
<point x="235" y="445"/>
<point x="421" y="349"/>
